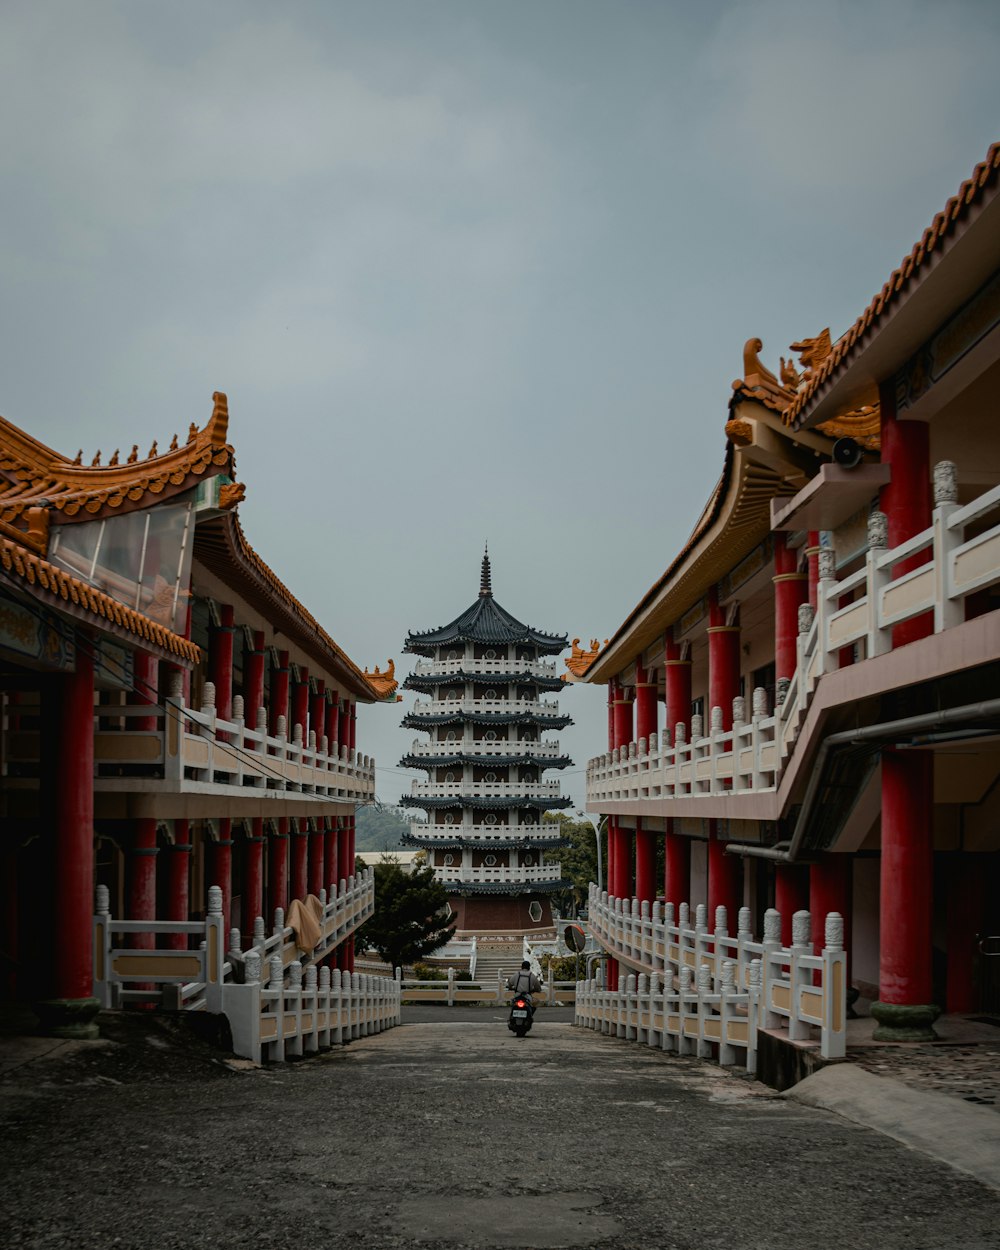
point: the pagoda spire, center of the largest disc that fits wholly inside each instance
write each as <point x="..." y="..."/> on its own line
<point x="485" y="589"/>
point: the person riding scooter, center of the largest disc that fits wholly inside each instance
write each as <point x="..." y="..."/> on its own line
<point x="524" y="983"/>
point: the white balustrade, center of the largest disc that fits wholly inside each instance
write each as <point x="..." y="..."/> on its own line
<point x="463" y="706"/>
<point x="444" y="668"/>
<point x="485" y="789"/>
<point x="541" y="831"/>
<point x="751" y="757"/>
<point x="520" y="873"/>
<point x="480" y="746"/>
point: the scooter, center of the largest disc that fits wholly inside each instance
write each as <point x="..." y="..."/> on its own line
<point x="521" y="1014"/>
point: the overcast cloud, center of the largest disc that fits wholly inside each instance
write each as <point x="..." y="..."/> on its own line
<point x="466" y="270"/>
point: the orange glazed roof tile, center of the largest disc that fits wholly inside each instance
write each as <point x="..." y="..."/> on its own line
<point x="970" y="193"/>
<point x="384" y="683"/>
<point x="24" y="566"/>
<point x="580" y="660"/>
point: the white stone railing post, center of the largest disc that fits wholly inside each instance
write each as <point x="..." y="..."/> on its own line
<point x="215" y="945"/>
<point x="833" y="1034"/>
<point x="878" y="640"/>
<point x="798" y="975"/>
<point x="948" y="611"/>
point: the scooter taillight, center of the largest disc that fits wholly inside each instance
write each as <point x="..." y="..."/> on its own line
<point x="520" y="1003"/>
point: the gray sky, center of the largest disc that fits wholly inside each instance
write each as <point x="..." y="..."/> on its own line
<point x="466" y="270"/>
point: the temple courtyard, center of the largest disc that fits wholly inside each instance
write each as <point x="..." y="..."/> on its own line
<point x="450" y="1132"/>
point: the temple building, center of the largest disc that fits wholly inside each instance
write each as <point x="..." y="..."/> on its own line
<point x="804" y="709"/>
<point x="173" y="718"/>
<point x="485" y="758"/>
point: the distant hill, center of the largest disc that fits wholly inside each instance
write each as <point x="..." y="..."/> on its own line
<point x="380" y="828"/>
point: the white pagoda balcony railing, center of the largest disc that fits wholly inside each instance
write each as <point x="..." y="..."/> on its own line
<point x="197" y="750"/>
<point x="750" y="758"/>
<point x="520" y="874"/>
<point x="485" y="789"/>
<point x="474" y="746"/>
<point x="451" y="707"/>
<point x="442" y="668"/>
<point x="546" y="832"/>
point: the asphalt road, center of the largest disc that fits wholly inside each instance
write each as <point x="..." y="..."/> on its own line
<point x="454" y="1133"/>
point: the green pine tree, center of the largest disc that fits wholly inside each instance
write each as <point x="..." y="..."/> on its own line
<point x="409" y="919"/>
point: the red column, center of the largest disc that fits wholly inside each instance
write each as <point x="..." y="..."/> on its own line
<point x="333" y="721"/>
<point x="966" y="914"/>
<point x="140" y="903"/>
<point x="812" y="564"/>
<point x="220" y="868"/>
<point x="830" y="890"/>
<point x="300" y="860"/>
<point x="645" y="704"/>
<point x="330" y="855"/>
<point x="253" y="680"/>
<point x="904" y="1010"/>
<point x="318" y="712"/>
<point x="253" y="876"/>
<point x="220" y="663"/>
<point x="623" y="717"/>
<point x="317" y="855"/>
<point x="300" y="704"/>
<point x="178" y="866"/>
<point x="645" y="864"/>
<point x="353" y="725"/>
<point x="279" y="694"/>
<point x="71" y="1009"/>
<point x="791" y="894"/>
<point x="345" y="863"/>
<point x="906" y="499"/>
<point x="278" y="871"/>
<point x="723" y="663"/>
<point x="790" y="592"/>
<point x="723" y="878"/>
<point x="145" y="684"/>
<point x="678" y="689"/>
<point x="351" y="851"/>
<point x="612" y="686"/>
<point x="677" y="867"/>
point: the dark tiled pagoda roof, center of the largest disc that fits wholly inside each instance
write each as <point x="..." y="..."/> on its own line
<point x="485" y="622"/>
<point x="499" y="761"/>
<point x="484" y="801"/>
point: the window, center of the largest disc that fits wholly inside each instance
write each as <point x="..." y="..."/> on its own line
<point x="490" y="778"/>
<point x="490" y="735"/>
<point x="490" y="654"/>
<point x="449" y="775"/>
<point x="449" y="818"/>
<point x="529" y="861"/>
<point x="535" y="912"/>
<point x="449" y="859"/>
<point x="490" y="861"/>
<point x="491" y="818"/>
<point x="491" y="694"/>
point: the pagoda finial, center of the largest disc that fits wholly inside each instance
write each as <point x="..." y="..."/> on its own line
<point x="485" y="589"/>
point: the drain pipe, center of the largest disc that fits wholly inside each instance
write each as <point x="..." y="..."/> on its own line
<point x="962" y="718"/>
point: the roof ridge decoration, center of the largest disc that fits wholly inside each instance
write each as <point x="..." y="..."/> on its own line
<point x="384" y="684"/>
<point x="972" y="190"/>
<point x="34" y="476"/>
<point x="579" y="661"/>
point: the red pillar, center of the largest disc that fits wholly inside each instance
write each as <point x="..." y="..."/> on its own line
<point x="220" y="868"/>
<point x="345" y="863"/>
<point x="71" y="1009"/>
<point x="253" y="680"/>
<point x="723" y="878"/>
<point x="330" y="855"/>
<point x="904" y="1010"/>
<point x="790" y="592"/>
<point x="830" y="890"/>
<point x="178" y="866"/>
<point x="300" y="860"/>
<point x="966" y="914"/>
<point x="333" y="721"/>
<point x="145" y="684"/>
<point x="678" y="688"/>
<point x="645" y="864"/>
<point x="612" y="686"/>
<point x="353" y="725"/>
<point x="343" y="724"/>
<point x="812" y="564"/>
<point x="623" y="717"/>
<point x="906" y="499"/>
<point x="791" y="894"/>
<point x="253" y="876"/>
<point x="140" y="903"/>
<point x="300" y="704"/>
<point x="220" y="662"/>
<point x="351" y="851"/>
<point x="278" y="871"/>
<point x="317" y="712"/>
<point x="677" y="867"/>
<point x="317" y="855"/>
<point x="723" y="662"/>
<point x="279" y="694"/>
<point x="645" y="704"/>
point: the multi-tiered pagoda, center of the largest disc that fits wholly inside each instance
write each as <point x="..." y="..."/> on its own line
<point x="485" y="795"/>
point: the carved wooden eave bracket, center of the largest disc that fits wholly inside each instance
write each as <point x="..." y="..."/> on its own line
<point x="384" y="684"/>
<point x="579" y="660"/>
